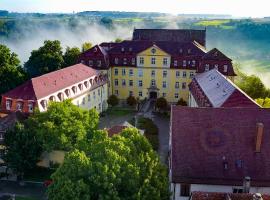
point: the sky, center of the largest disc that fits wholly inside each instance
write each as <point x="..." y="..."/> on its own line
<point x="236" y="8"/>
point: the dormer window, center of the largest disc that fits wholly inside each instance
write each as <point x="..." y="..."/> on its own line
<point x="193" y="63"/>
<point x="216" y="54"/>
<point x="133" y="61"/>
<point x="153" y="51"/>
<point x="8" y="104"/>
<point x="90" y="63"/>
<point x="130" y="49"/>
<point x="44" y="104"/>
<point x="175" y="63"/>
<point x="206" y="68"/>
<point x="99" y="63"/>
<point x="189" y="51"/>
<point x="86" y="84"/>
<point x="122" y="49"/>
<point x="60" y="96"/>
<point x="52" y="98"/>
<point x="125" y="61"/>
<point x="184" y="63"/>
<point x="67" y="91"/>
<point x="225" y="68"/>
<point x="181" y="51"/>
<point x="74" y="89"/>
<point x="116" y="61"/>
<point x="80" y="87"/>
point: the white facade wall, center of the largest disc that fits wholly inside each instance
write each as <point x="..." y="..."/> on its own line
<point x="191" y="101"/>
<point x="176" y="189"/>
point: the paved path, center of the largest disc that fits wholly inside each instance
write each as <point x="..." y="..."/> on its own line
<point x="36" y="191"/>
<point x="109" y="121"/>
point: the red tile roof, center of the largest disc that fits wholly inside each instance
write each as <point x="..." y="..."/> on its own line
<point x="218" y="91"/>
<point x="215" y="54"/>
<point x="224" y="196"/>
<point x="206" y="140"/>
<point x="47" y="84"/>
<point x="115" y="130"/>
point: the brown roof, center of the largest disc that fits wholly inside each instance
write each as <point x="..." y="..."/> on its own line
<point x="224" y="196"/>
<point x="175" y="35"/>
<point x="206" y="140"/>
<point x="115" y="130"/>
<point x="215" y="54"/>
<point x="47" y="84"/>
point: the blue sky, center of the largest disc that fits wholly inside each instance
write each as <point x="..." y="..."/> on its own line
<point x="244" y="8"/>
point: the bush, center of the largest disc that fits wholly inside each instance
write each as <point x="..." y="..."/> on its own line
<point x="181" y="102"/>
<point x="131" y="101"/>
<point x="161" y="103"/>
<point x="113" y="100"/>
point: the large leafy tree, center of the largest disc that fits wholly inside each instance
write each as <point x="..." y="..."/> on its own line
<point x="11" y="73"/>
<point x="23" y="148"/>
<point x="64" y="126"/>
<point x="71" y="56"/>
<point x="122" y="167"/>
<point x="86" y="46"/>
<point x="46" y="59"/>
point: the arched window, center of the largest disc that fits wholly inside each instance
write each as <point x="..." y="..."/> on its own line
<point x="60" y="96"/>
<point x="67" y="92"/>
<point x="52" y="98"/>
<point x="86" y="84"/>
<point x="19" y="106"/>
<point x="8" y="104"/>
<point x="30" y="107"/>
<point x="74" y="89"/>
<point x="80" y="86"/>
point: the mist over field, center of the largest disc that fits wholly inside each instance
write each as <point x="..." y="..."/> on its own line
<point x="246" y="42"/>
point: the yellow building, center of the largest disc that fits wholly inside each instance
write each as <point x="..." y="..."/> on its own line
<point x="156" y="63"/>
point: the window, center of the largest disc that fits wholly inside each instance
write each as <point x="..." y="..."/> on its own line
<point x="80" y="86"/>
<point x="74" y="89"/>
<point x="90" y="63"/>
<point x="89" y="97"/>
<point x="83" y="101"/>
<point x="185" y="190"/>
<point x="216" y="66"/>
<point x="30" y="107"/>
<point x="140" y="72"/>
<point x="140" y="83"/>
<point x="153" y="60"/>
<point x="184" y="74"/>
<point x="130" y="82"/>
<point x="98" y="92"/>
<point x="116" y="61"/>
<point x="184" y="63"/>
<point x="131" y="72"/>
<point x="177" y="74"/>
<point x="237" y="190"/>
<point x="123" y="72"/>
<point x="153" y="73"/>
<point x="116" y="92"/>
<point x="176" y="84"/>
<point x="116" y="71"/>
<point x="86" y="84"/>
<point x="175" y="63"/>
<point x="225" y="68"/>
<point x="206" y="68"/>
<point x="99" y="63"/>
<point x="191" y="74"/>
<point x="116" y="82"/>
<point x="133" y="61"/>
<point x="184" y="85"/>
<point x="164" y="74"/>
<point x="165" y="61"/>
<point x="153" y="83"/>
<point x="130" y="93"/>
<point x="94" y="93"/>
<point x="163" y="94"/>
<point x="141" y="60"/>
<point x="164" y="84"/>
<point x="180" y="51"/>
<point x="8" y="104"/>
<point x="140" y="93"/>
<point x="122" y="49"/>
<point x="19" y="106"/>
<point x="124" y="61"/>
<point x="130" y="49"/>
<point x="123" y="82"/>
<point x="193" y="63"/>
<point x="99" y="106"/>
<point x="176" y="95"/>
<point x="189" y="51"/>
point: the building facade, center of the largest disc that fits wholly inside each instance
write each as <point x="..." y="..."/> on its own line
<point x="221" y="150"/>
<point x="86" y="87"/>
<point x="156" y="63"/>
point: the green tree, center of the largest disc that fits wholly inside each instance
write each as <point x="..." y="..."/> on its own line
<point x="118" y="40"/>
<point x="64" y="125"/>
<point x="46" y="59"/>
<point x="123" y="167"/>
<point x="161" y="103"/>
<point x="23" y="149"/>
<point x="264" y="102"/>
<point x="113" y="100"/>
<point x="71" y="56"/>
<point x="11" y="73"/>
<point x="131" y="101"/>
<point x="181" y="102"/>
<point x="86" y="46"/>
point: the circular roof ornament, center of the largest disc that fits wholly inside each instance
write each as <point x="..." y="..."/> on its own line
<point x="153" y="51"/>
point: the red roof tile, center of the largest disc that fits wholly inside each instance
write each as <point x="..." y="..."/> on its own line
<point x="115" y="130"/>
<point x="204" y="140"/>
<point x="47" y="84"/>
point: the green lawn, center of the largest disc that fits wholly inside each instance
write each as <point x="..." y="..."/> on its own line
<point x="212" y="22"/>
<point x="116" y="111"/>
<point x="38" y="174"/>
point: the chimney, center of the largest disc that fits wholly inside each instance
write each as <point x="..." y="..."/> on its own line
<point x="257" y="196"/>
<point x="246" y="184"/>
<point x="259" y="135"/>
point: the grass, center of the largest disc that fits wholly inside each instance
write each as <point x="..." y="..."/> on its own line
<point x="116" y="111"/>
<point x="38" y="174"/>
<point x="213" y="22"/>
<point x="24" y="198"/>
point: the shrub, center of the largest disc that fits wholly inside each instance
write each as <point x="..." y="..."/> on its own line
<point x="113" y="100"/>
<point x="181" y="102"/>
<point x="161" y="103"/>
<point x="131" y="101"/>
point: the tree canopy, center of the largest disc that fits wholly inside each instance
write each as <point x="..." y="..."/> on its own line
<point x="161" y="103"/>
<point x="131" y="101"/>
<point x="46" y="59"/>
<point x="86" y="46"/>
<point x="11" y="73"/>
<point x="181" y="102"/>
<point x="264" y="102"/>
<point x="113" y="100"/>
<point x="71" y="56"/>
<point x="122" y="167"/>
<point x="64" y="125"/>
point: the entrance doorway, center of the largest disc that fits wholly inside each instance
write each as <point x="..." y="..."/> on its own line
<point x="153" y="95"/>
